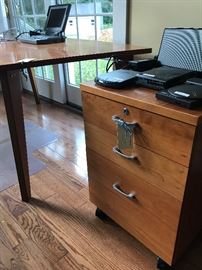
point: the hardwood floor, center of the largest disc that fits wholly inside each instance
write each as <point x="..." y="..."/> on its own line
<point x="58" y="228"/>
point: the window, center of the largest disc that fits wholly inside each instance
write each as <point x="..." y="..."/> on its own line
<point x="29" y="14"/>
<point x="92" y="20"/>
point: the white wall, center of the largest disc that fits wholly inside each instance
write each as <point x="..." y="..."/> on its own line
<point x="148" y="18"/>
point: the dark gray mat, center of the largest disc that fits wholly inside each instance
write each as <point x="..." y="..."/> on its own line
<point x="36" y="138"/>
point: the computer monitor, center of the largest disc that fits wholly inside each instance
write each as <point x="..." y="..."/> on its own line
<point x="56" y="19"/>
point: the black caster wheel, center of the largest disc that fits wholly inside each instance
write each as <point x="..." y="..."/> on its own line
<point x="101" y="215"/>
<point x="163" y="265"/>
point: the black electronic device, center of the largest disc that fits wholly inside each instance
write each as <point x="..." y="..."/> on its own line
<point x="180" y="49"/>
<point x="187" y="91"/>
<point x="185" y="95"/>
<point x="163" y="77"/>
<point x="142" y="64"/>
<point x="195" y="81"/>
<point x="119" y="78"/>
<point x="54" y="26"/>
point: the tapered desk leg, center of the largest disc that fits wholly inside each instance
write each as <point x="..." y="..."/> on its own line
<point x="13" y="102"/>
<point x="33" y="84"/>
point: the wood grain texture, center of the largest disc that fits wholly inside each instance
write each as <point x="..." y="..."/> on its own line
<point x="12" y="54"/>
<point x="37" y="230"/>
<point x="11" y="233"/>
<point x="31" y="74"/>
<point x="15" y="56"/>
<point x="13" y="104"/>
<point x="8" y="259"/>
<point x="160" y="209"/>
<point x="156" y="170"/>
<point x="192" y="199"/>
<point x="164" y="136"/>
<point x="60" y="200"/>
<point x="144" y="98"/>
<point x="31" y="256"/>
<point x="158" y="139"/>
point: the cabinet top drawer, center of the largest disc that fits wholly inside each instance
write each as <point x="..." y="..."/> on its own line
<point x="145" y="99"/>
<point x="164" y="136"/>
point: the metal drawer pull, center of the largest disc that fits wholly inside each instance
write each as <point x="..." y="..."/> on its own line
<point x="129" y="127"/>
<point x="130" y="196"/>
<point x="120" y="153"/>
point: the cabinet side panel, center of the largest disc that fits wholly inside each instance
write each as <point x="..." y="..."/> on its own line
<point x="191" y="218"/>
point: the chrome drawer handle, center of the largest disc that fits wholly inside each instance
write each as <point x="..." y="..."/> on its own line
<point x="120" y="153"/>
<point x="129" y="127"/>
<point x="130" y="196"/>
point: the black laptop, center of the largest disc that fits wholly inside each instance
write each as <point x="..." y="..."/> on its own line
<point x="54" y="26"/>
<point x="180" y="56"/>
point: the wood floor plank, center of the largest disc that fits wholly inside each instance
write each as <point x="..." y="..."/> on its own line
<point x="110" y="235"/>
<point x="70" y="150"/>
<point x="32" y="257"/>
<point x="67" y="235"/>
<point x="77" y="229"/>
<point x="15" y="207"/>
<point x="71" y="262"/>
<point x="37" y="230"/>
<point x="8" y="259"/>
<point x="63" y="167"/>
<point x="11" y="233"/>
<point x="40" y="234"/>
<point x="44" y="184"/>
<point x="50" y="182"/>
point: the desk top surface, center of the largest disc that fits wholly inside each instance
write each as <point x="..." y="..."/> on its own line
<point x="16" y="55"/>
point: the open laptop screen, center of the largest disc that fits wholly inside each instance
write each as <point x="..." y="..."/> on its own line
<point x="181" y="48"/>
<point x="56" y="19"/>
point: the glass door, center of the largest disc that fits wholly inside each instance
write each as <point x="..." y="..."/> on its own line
<point x="90" y="20"/>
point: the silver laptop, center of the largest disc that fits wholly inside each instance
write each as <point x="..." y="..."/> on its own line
<point x="54" y="26"/>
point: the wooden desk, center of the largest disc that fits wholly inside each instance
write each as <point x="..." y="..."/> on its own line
<point x="16" y="55"/>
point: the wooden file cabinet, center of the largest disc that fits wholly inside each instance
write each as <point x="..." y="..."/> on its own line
<point x="166" y="177"/>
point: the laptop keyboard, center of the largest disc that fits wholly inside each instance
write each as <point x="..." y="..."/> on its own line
<point x="40" y="39"/>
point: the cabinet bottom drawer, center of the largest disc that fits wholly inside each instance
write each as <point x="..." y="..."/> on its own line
<point x="151" y="216"/>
